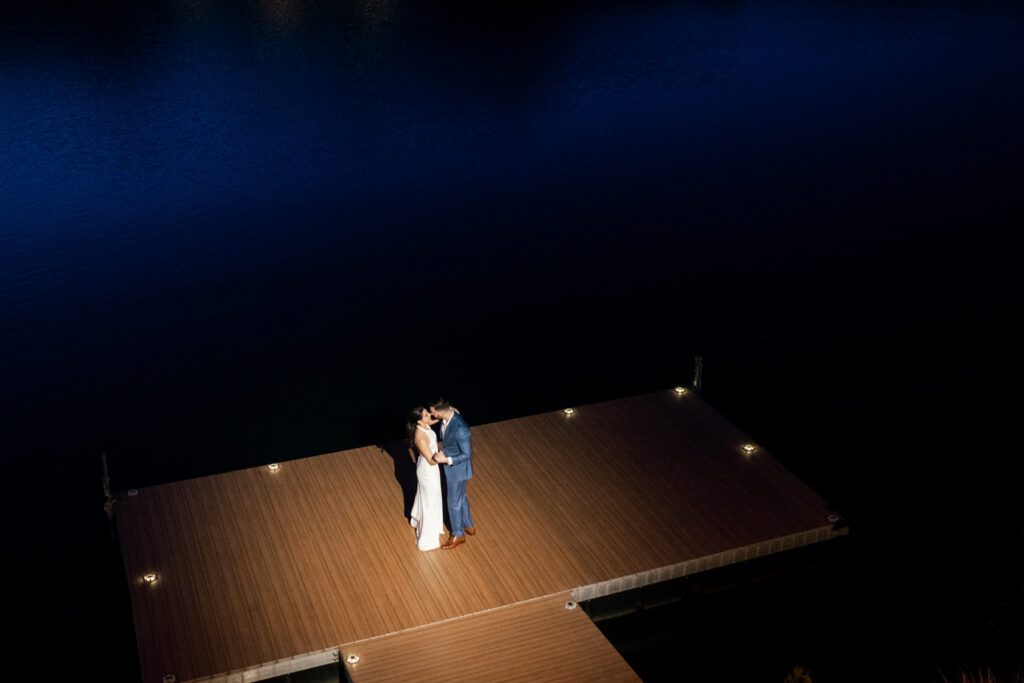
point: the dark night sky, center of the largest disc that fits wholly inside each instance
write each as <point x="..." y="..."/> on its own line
<point x="239" y="232"/>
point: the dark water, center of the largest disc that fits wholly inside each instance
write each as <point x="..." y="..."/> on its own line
<point x="232" y="233"/>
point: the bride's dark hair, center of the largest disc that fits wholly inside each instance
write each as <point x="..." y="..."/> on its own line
<point x="410" y="424"/>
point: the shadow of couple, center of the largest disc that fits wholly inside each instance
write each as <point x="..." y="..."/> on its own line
<point x="404" y="460"/>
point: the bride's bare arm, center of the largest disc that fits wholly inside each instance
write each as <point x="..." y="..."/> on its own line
<point x="423" y="445"/>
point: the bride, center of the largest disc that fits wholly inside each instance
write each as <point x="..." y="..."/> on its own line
<point x="427" y="515"/>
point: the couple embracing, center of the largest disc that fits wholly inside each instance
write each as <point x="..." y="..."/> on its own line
<point x="456" y="454"/>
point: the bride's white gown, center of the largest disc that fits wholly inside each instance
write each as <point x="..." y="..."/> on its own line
<point x="427" y="508"/>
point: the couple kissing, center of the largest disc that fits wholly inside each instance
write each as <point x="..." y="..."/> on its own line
<point x="455" y="453"/>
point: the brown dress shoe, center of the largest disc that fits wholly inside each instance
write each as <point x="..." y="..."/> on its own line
<point x="453" y="542"/>
<point x="471" y="531"/>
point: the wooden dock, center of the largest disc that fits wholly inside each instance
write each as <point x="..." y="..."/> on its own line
<point x="262" y="573"/>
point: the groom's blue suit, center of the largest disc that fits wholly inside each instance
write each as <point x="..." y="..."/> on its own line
<point x="458" y="447"/>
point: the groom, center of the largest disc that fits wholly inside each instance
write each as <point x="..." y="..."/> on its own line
<point x="458" y="456"/>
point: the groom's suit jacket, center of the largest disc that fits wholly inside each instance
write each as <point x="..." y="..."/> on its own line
<point x="457" y="446"/>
